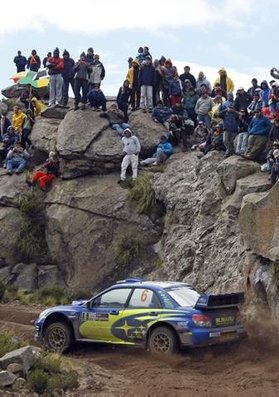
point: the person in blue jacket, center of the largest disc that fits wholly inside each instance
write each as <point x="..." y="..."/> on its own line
<point x="163" y="151"/>
<point x="258" y="132"/>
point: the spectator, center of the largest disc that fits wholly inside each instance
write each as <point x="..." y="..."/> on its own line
<point x="55" y="67"/>
<point x="97" y="98"/>
<point x="68" y="77"/>
<point x="242" y="99"/>
<point x="18" y="119"/>
<point x="256" y="104"/>
<point x="49" y="171"/>
<point x="242" y="137"/>
<point x="4" y="124"/>
<point x="146" y="81"/>
<point x="231" y="122"/>
<point x="131" y="149"/>
<point x="265" y="93"/>
<point x="90" y="56"/>
<point x="188" y="76"/>
<point x="161" y="114"/>
<point x="214" y="140"/>
<point x="34" y="61"/>
<point x="163" y="151"/>
<point x="20" y="62"/>
<point x="225" y="81"/>
<point x="274" y="132"/>
<point x="251" y="91"/>
<point x="258" y="130"/>
<point x="17" y="159"/>
<point x="203" y="107"/>
<point x="49" y="54"/>
<point x="168" y="72"/>
<point x="202" y="81"/>
<point x="38" y="106"/>
<point x="27" y="128"/>
<point x="189" y="102"/>
<point x="98" y="72"/>
<point x="217" y="90"/>
<point x="9" y="139"/>
<point x="116" y="119"/>
<point x="175" y="90"/>
<point x="124" y="97"/>
<point x="133" y="78"/>
<point x="275" y="167"/>
<point x="81" y="71"/>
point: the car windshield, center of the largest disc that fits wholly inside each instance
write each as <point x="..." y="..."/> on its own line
<point x="184" y="296"/>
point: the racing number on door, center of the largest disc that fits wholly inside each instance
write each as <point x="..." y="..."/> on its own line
<point x="144" y="295"/>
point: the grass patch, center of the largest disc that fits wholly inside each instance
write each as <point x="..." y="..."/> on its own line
<point x="275" y="272"/>
<point x="51" y="372"/>
<point x="7" y="344"/>
<point x="126" y="249"/>
<point x="143" y="194"/>
<point x="30" y="244"/>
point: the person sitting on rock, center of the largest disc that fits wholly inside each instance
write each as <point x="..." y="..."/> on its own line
<point x="267" y="167"/>
<point x="161" y="113"/>
<point x="214" y="140"/>
<point x="116" y="119"/>
<point x="9" y="139"/>
<point x="38" y="106"/>
<point x="17" y="159"/>
<point x="97" y="98"/>
<point x="49" y="171"/>
<point x="258" y="130"/>
<point x="131" y="149"/>
<point x="162" y="153"/>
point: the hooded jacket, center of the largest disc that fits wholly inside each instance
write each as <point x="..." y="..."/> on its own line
<point x="229" y="82"/>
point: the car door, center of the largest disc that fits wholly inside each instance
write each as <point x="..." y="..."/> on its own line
<point x="104" y="310"/>
<point x="143" y="309"/>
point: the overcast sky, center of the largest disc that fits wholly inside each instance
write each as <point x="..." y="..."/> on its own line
<point x="240" y="35"/>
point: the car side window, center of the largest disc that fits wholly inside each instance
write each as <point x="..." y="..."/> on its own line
<point x="113" y="298"/>
<point x="144" y="297"/>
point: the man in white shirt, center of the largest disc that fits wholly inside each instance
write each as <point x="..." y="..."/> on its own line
<point x="131" y="149"/>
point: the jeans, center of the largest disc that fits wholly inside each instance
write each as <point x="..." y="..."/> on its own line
<point x="65" y="90"/>
<point x="19" y="164"/>
<point x="242" y="142"/>
<point x="119" y="128"/>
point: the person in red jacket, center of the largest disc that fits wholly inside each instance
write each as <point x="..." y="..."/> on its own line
<point x="49" y="171"/>
<point x="55" y="67"/>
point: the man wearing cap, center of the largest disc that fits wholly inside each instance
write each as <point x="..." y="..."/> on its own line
<point x="242" y="99"/>
<point x="258" y="130"/>
<point x="131" y="149"/>
<point x="256" y="104"/>
<point x="55" y="66"/>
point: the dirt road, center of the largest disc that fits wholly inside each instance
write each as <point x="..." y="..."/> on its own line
<point x="249" y="369"/>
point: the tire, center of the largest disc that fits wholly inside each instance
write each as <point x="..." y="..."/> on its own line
<point x="58" y="337"/>
<point x="162" y="340"/>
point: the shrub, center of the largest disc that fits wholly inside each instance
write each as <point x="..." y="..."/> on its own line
<point x="51" y="296"/>
<point x="7" y="344"/>
<point x="50" y="373"/>
<point x="30" y="244"/>
<point x="126" y="249"/>
<point x="143" y="194"/>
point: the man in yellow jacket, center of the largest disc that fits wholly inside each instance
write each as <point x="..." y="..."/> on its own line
<point x="225" y="81"/>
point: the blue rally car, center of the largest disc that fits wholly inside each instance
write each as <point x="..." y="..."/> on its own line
<point x="161" y="316"/>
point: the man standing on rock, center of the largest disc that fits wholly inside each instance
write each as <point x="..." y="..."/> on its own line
<point x="131" y="149"/>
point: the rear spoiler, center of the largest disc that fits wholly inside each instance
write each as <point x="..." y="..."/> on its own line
<point x="219" y="301"/>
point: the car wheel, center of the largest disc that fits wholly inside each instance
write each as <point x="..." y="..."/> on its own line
<point x="162" y="340"/>
<point x="58" y="337"/>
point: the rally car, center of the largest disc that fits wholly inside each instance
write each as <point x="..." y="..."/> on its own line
<point x="160" y="316"/>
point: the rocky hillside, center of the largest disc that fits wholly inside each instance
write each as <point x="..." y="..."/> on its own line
<point x="215" y="225"/>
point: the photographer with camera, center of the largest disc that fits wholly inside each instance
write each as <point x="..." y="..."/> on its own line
<point x="17" y="159"/>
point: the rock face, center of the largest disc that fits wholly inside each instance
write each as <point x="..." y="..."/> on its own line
<point x="259" y="223"/>
<point x="202" y="241"/>
<point x="85" y="219"/>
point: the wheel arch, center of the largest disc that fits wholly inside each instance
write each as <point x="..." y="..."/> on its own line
<point x="58" y="317"/>
<point x="162" y="324"/>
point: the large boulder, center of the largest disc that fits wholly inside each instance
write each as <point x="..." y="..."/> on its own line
<point x="87" y="144"/>
<point x="11" y="223"/>
<point x="234" y="168"/>
<point x="86" y="217"/>
<point x="259" y="223"/>
<point x="43" y="137"/>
